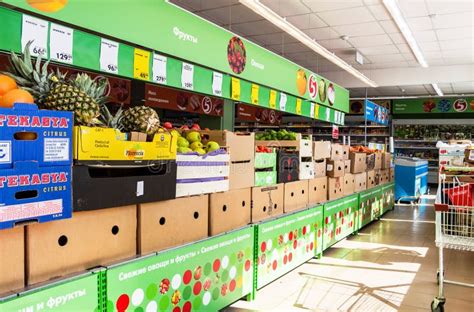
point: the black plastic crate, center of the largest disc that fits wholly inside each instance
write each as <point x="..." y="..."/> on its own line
<point x="288" y="166"/>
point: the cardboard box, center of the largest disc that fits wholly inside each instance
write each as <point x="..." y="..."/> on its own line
<point x="360" y="182"/>
<point x="288" y="166"/>
<point x="88" y="240"/>
<point x="241" y="144"/>
<point x="385" y="176"/>
<point x="296" y="196"/>
<point x="107" y="145"/>
<point x="266" y="160"/>
<point x="12" y="259"/>
<point x="378" y="160"/>
<point x="335" y="188"/>
<point x="29" y="134"/>
<point x="171" y="223"/>
<point x="358" y="162"/>
<point x="229" y="210"/>
<point x="320" y="168"/>
<point x="378" y="177"/>
<point x="306" y="146"/>
<point x="241" y="175"/>
<point x="336" y="152"/>
<point x="371" y="179"/>
<point x="392" y="175"/>
<point x="469" y="155"/>
<point x="347" y="166"/>
<point x="370" y="161"/>
<point x="386" y="160"/>
<point x="345" y="152"/>
<point x="105" y="187"/>
<point x="318" y="190"/>
<point x="267" y="202"/>
<point x="321" y="149"/>
<point x="29" y="193"/>
<point x="349" y="184"/>
<point x="335" y="168"/>
<point x="263" y="178"/>
<point x="295" y="145"/>
<point x="306" y="170"/>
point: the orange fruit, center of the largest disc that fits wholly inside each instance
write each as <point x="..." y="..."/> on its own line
<point x="301" y="81"/>
<point x="48" y="5"/>
<point x="6" y="84"/>
<point x="16" y="96"/>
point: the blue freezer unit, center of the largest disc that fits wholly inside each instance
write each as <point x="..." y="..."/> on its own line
<point x="411" y="177"/>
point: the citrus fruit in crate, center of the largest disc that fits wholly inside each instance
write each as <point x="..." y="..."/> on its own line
<point x="6" y="84"/>
<point x="16" y="96"/>
<point x="47" y="5"/>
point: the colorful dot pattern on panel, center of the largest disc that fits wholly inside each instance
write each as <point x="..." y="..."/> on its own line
<point x="193" y="289"/>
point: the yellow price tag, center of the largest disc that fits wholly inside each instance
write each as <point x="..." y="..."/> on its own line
<point x="273" y="99"/>
<point x="235" y="88"/>
<point x="254" y="94"/>
<point x="316" y="111"/>
<point x="141" y="64"/>
<point x="298" y="106"/>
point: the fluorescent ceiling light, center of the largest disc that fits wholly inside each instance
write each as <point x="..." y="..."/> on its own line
<point x="296" y="33"/>
<point x="394" y="10"/>
<point x="437" y="89"/>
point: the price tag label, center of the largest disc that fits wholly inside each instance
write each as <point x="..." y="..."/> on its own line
<point x="273" y="99"/>
<point x="217" y="84"/>
<point x="109" y="56"/>
<point x="316" y="111"/>
<point x="298" y="106"/>
<point x="328" y="114"/>
<point x="343" y="115"/>
<point x="141" y="64"/>
<point x="254" y="94"/>
<point x="235" y="88"/>
<point x="60" y="43"/>
<point x="311" y="112"/>
<point x="283" y="99"/>
<point x="159" y="68"/>
<point x="335" y="132"/>
<point x="36" y="30"/>
<point x="187" y="76"/>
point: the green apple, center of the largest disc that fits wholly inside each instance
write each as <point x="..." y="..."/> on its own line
<point x="193" y="136"/>
<point x="200" y="151"/>
<point x="175" y="133"/>
<point x="212" y="146"/>
<point x="195" y="145"/>
<point x="184" y="150"/>
<point x="182" y="142"/>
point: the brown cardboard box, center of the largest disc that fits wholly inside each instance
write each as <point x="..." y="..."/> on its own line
<point x="335" y="168"/>
<point x="241" y="144"/>
<point x="267" y="201"/>
<point x="347" y="166"/>
<point x="386" y="160"/>
<point x="358" y="162"/>
<point x="345" y="152"/>
<point x="296" y="195"/>
<point x="349" y="184"/>
<point x="385" y="173"/>
<point x="378" y="177"/>
<point x="241" y="174"/>
<point x="469" y="154"/>
<point x="378" y="160"/>
<point x="371" y="179"/>
<point x="360" y="180"/>
<point x="336" y="152"/>
<point x="335" y="188"/>
<point x="12" y="259"/>
<point x="370" y="161"/>
<point x="321" y="149"/>
<point x="392" y="175"/>
<point x="171" y="223"/>
<point x="229" y="210"/>
<point x="318" y="190"/>
<point x="89" y="239"/>
<point x="320" y="168"/>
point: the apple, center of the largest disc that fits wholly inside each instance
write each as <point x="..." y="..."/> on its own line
<point x="196" y="127"/>
<point x="193" y="136"/>
<point x="168" y="125"/>
<point x="212" y="146"/>
<point x="182" y="142"/>
<point x="195" y="145"/>
<point x="175" y="133"/>
<point x="200" y="151"/>
<point x="184" y="127"/>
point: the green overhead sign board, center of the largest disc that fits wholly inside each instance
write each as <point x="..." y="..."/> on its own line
<point x="434" y="106"/>
<point x="164" y="27"/>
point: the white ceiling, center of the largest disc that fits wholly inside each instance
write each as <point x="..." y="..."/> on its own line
<point x="444" y="30"/>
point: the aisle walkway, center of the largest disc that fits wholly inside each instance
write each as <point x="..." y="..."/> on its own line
<point x="390" y="266"/>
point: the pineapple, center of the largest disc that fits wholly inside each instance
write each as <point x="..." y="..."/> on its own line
<point x="82" y="95"/>
<point x="141" y="119"/>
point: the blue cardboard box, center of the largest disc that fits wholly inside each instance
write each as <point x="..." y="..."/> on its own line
<point x="30" y="134"/>
<point x="30" y="193"/>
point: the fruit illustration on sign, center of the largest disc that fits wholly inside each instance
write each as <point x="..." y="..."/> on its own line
<point x="197" y="273"/>
<point x="47" y="5"/>
<point x="313" y="86"/>
<point x="331" y="94"/>
<point x="322" y="90"/>
<point x="428" y="106"/>
<point x="460" y="105"/>
<point x="164" y="286"/>
<point x="176" y="297"/>
<point x="236" y="55"/>
<point x="444" y="105"/>
<point x="301" y="81"/>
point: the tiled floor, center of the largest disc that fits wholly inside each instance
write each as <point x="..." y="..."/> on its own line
<point x="390" y="266"/>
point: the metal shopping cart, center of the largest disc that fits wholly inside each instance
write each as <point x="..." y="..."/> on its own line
<point x="454" y="208"/>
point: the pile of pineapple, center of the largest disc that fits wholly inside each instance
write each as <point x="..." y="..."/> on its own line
<point x="81" y="94"/>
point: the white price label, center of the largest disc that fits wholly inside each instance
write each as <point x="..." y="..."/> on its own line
<point x="342" y="118"/>
<point x="36" y="30"/>
<point x="187" y="76"/>
<point x="140" y="188"/>
<point x="109" y="56"/>
<point x="5" y="152"/>
<point x="311" y="113"/>
<point x="60" y="43"/>
<point x="217" y="84"/>
<point x="282" y="101"/>
<point x="159" y="68"/>
<point x="56" y="149"/>
<point x="328" y="114"/>
<point x="336" y="117"/>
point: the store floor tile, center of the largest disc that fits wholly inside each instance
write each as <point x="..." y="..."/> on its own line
<point x="389" y="266"/>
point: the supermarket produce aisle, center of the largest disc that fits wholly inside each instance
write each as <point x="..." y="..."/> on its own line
<point x="390" y="266"/>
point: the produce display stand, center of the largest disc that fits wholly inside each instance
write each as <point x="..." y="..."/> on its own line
<point x="339" y="219"/>
<point x="388" y="198"/>
<point x="369" y="206"/>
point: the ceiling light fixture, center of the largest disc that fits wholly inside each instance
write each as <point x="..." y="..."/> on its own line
<point x="394" y="10"/>
<point x="437" y="89"/>
<point x="296" y="33"/>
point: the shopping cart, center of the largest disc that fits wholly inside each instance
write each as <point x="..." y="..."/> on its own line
<point x="454" y="208"/>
